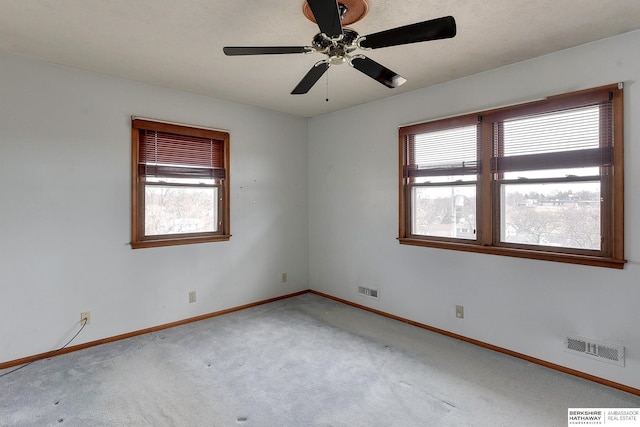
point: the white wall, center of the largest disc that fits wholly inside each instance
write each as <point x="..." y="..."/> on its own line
<point x="523" y="305"/>
<point x="65" y="209"/>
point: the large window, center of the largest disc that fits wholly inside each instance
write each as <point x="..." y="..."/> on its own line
<point x="540" y="180"/>
<point x="180" y="184"/>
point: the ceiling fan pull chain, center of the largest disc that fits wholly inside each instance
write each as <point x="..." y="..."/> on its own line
<point x="327" y="99"/>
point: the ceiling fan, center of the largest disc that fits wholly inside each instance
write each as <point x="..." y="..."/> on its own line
<point x="339" y="43"/>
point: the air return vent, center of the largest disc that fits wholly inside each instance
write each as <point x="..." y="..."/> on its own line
<point x="597" y="350"/>
<point x="371" y="293"/>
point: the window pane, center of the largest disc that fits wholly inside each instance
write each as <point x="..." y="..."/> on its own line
<point x="562" y="215"/>
<point x="444" y="211"/>
<point x="180" y="210"/>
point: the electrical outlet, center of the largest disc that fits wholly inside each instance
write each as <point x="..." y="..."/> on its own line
<point x="192" y="296"/>
<point x="85" y="317"/>
<point x="284" y="277"/>
<point x="459" y="312"/>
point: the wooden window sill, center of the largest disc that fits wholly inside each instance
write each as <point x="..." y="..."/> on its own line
<point x="178" y="241"/>
<point x="595" y="261"/>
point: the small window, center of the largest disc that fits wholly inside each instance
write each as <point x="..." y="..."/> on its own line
<point x="180" y="188"/>
<point x="541" y="180"/>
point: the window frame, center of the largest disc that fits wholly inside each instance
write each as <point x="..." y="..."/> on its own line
<point x="488" y="187"/>
<point x="138" y="185"/>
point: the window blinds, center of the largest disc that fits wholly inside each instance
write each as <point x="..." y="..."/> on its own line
<point x="447" y="151"/>
<point x="167" y="155"/>
<point x="569" y="138"/>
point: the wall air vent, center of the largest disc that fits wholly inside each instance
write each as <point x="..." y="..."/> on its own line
<point x="371" y="293"/>
<point x="593" y="349"/>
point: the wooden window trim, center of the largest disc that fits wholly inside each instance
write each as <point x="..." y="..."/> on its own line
<point x="138" y="240"/>
<point x="486" y="199"/>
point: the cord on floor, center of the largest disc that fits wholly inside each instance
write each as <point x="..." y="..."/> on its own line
<point x="50" y="354"/>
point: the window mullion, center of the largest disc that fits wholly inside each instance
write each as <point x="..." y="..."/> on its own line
<point x="485" y="186"/>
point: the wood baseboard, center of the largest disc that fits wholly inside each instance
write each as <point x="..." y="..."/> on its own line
<point x="540" y="362"/>
<point x="73" y="348"/>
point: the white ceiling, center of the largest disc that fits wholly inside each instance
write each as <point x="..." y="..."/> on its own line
<point x="178" y="43"/>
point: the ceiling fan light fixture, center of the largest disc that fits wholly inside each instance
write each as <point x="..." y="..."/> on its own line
<point x="355" y="11"/>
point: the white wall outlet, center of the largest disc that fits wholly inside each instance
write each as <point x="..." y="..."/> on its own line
<point x="192" y="296"/>
<point x="85" y="318"/>
<point x="459" y="312"/>
<point x="284" y="277"/>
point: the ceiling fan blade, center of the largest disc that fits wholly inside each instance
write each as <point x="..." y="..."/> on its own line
<point x="310" y="78"/>
<point x="273" y="50"/>
<point x="376" y="71"/>
<point x="434" y="29"/>
<point x="327" y="15"/>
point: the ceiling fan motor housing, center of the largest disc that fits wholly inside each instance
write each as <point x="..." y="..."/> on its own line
<point x="337" y="50"/>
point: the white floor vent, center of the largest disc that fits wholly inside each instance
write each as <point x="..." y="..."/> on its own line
<point x="372" y="293"/>
<point x="597" y="350"/>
